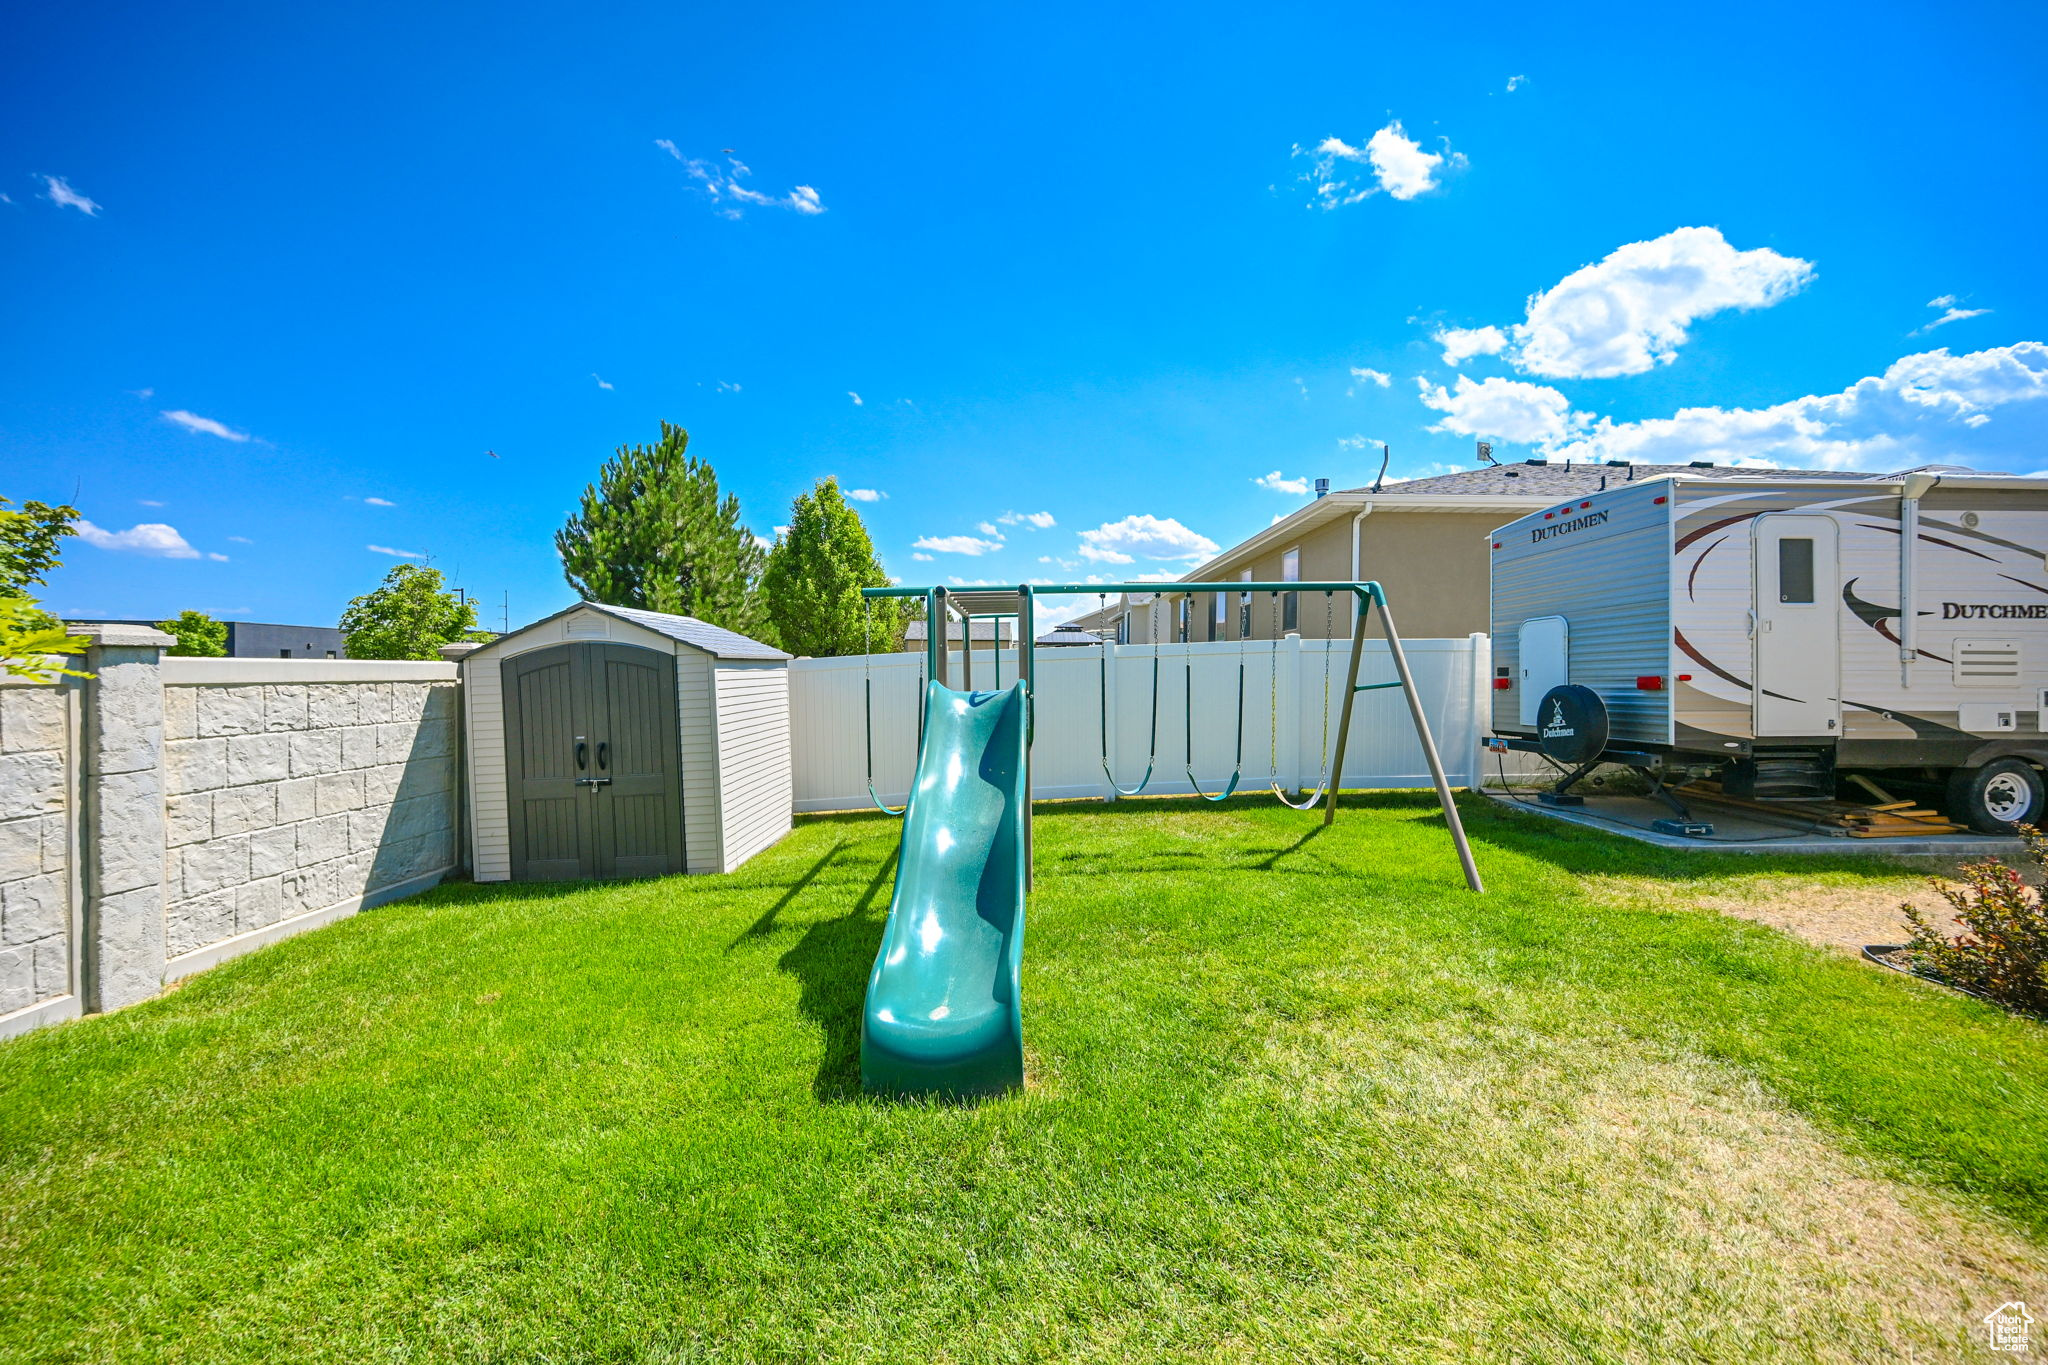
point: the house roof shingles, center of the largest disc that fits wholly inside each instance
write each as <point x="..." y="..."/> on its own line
<point x="1559" y="480"/>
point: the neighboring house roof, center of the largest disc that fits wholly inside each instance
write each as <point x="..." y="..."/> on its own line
<point x="1068" y="635"/>
<point x="713" y="640"/>
<point x="1510" y="490"/>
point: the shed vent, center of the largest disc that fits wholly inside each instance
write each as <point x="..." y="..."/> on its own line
<point x="1987" y="663"/>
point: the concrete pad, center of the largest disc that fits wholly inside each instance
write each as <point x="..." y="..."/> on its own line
<point x="1739" y="829"/>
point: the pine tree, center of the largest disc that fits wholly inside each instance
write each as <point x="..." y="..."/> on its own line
<point x="811" y="588"/>
<point x="653" y="533"/>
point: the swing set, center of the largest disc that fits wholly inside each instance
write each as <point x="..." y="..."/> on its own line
<point x="943" y="606"/>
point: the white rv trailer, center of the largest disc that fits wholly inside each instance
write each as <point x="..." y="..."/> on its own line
<point x="1750" y="626"/>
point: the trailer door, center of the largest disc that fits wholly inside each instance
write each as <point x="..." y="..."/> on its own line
<point x="1798" y="655"/>
<point x="1544" y="647"/>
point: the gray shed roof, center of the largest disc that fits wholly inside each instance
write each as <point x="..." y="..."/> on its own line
<point x="713" y="640"/>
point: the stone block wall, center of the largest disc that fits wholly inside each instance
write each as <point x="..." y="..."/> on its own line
<point x="35" y="845"/>
<point x="283" y="800"/>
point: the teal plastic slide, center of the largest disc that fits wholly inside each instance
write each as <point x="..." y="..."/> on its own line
<point x="942" y="1015"/>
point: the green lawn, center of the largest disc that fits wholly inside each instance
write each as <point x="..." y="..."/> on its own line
<point x="1296" y="1095"/>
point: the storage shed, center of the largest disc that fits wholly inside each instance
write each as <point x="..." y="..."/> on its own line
<point x="611" y="742"/>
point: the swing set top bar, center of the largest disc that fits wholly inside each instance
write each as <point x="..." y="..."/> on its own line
<point x="1365" y="590"/>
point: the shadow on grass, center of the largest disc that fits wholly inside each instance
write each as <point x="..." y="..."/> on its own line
<point x="831" y="962"/>
<point x="765" y="925"/>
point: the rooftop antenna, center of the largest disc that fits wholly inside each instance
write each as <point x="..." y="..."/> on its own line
<point x="1385" y="455"/>
<point x="1486" y="453"/>
<point x="506" y="619"/>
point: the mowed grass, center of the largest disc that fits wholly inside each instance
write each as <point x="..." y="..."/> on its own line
<point x="1295" y="1095"/>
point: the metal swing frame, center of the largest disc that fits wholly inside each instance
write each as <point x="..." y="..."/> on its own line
<point x="1368" y="595"/>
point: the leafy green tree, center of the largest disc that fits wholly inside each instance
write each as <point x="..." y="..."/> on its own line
<point x="410" y="616"/>
<point x="199" y="635"/>
<point x="29" y="541"/>
<point x="810" y="590"/>
<point x="654" y="533"/>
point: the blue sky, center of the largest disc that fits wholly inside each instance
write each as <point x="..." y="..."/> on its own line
<point x="275" y="278"/>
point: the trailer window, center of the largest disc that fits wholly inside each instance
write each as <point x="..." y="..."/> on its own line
<point x="1795" y="570"/>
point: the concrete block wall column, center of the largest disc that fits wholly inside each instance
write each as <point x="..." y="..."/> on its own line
<point x="121" y="762"/>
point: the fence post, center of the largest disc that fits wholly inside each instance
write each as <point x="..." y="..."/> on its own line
<point x="1482" y="707"/>
<point x="1295" y="715"/>
<point x="1113" y="669"/>
<point x="121" y="781"/>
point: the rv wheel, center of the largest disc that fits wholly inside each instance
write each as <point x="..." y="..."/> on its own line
<point x="1997" y="796"/>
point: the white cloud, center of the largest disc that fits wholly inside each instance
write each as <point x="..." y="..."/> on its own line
<point x="763" y="542"/>
<point x="988" y="529"/>
<point x="957" y="545"/>
<point x="1462" y="343"/>
<point x="855" y="397"/>
<point x="1930" y="408"/>
<point x="1516" y="82"/>
<point x="601" y="382"/>
<point x="1364" y="376"/>
<point x="866" y="494"/>
<point x="397" y="554"/>
<point x="1399" y="165"/>
<point x="149" y="502"/>
<point x="144" y="394"/>
<point x="204" y="426"/>
<point x="1954" y="314"/>
<point x="216" y="555"/>
<point x="241" y="540"/>
<point x="379" y="502"/>
<point x="1037" y="521"/>
<point x="60" y="193"/>
<point x="1276" y="483"/>
<point x="925" y="558"/>
<point x="151" y="538"/>
<point x="1144" y="537"/>
<point x="721" y="184"/>
<point x="1532" y="414"/>
<point x="1629" y="312"/>
<point x="727" y="386"/>
<point x="1358" y="442"/>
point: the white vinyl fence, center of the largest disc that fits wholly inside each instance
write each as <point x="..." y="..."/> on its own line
<point x="1284" y="724"/>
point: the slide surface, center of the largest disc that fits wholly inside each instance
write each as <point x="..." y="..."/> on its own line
<point x="942" y="1015"/>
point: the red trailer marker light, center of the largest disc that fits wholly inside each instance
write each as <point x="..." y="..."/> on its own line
<point x="1548" y="515"/>
<point x="1660" y="501"/>
<point x="1496" y="545"/>
<point x="1584" y="505"/>
<point x="1650" y="682"/>
<point x="1503" y="684"/>
<point x="1685" y="677"/>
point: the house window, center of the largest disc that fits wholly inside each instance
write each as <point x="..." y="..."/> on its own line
<point x="1290" y="608"/>
<point x="1180" y="612"/>
<point x="1244" y="608"/>
<point x="284" y="654"/>
<point x="1123" y="628"/>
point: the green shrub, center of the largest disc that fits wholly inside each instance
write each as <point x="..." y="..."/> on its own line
<point x="2002" y="953"/>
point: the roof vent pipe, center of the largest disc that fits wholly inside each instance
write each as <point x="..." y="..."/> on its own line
<point x="1322" y="488"/>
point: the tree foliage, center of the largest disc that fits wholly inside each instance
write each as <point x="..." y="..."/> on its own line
<point x="409" y="616"/>
<point x="810" y="591"/>
<point x="29" y="543"/>
<point x="199" y="635"/>
<point x="654" y="533"/>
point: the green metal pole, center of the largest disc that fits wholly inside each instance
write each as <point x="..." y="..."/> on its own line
<point x="934" y="632"/>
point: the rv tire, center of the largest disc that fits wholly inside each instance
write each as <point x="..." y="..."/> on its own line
<point x="1997" y="797"/>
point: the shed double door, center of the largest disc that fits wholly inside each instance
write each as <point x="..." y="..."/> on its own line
<point x="593" y="765"/>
